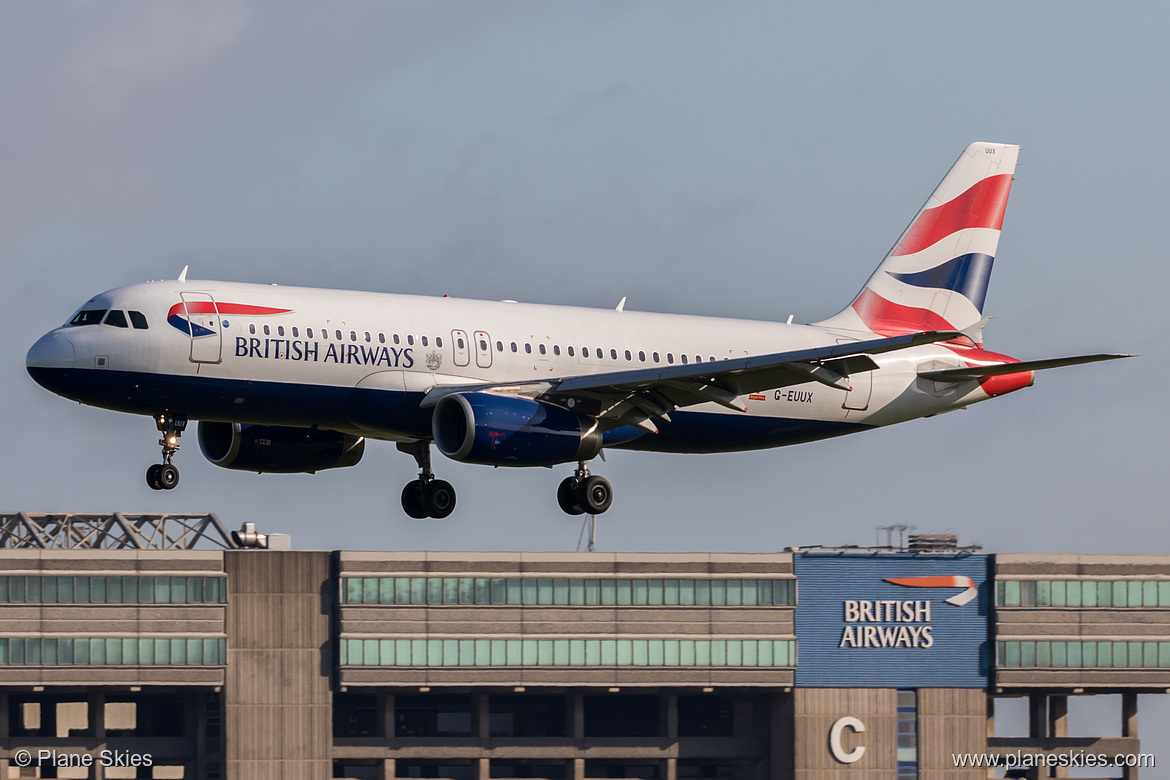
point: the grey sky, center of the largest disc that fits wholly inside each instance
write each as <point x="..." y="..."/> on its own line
<point x="747" y="159"/>
<point x="737" y="159"/>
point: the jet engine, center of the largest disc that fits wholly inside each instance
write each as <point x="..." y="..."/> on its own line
<point x="500" y="430"/>
<point x="276" y="450"/>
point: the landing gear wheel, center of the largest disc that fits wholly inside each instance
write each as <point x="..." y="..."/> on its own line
<point x="439" y="498"/>
<point x="168" y="476"/>
<point x="567" y="497"/>
<point x="412" y="502"/>
<point x="152" y="477"/>
<point x="595" y="494"/>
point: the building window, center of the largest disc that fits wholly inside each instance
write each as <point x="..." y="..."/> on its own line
<point x="559" y="591"/>
<point x="103" y="651"/>
<point x="565" y="651"/>
<point x="112" y="590"/>
<point x="1086" y="654"/>
<point x="1134" y="593"/>
<point x="907" y="734"/>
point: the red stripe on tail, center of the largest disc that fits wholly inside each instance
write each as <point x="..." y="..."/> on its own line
<point x="981" y="206"/>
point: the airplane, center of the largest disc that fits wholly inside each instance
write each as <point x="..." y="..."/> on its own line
<point x="291" y="380"/>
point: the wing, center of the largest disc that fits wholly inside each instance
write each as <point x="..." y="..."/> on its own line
<point x="637" y="396"/>
<point x="1000" y="369"/>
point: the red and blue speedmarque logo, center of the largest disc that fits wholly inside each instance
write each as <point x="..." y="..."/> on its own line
<point x="179" y="313"/>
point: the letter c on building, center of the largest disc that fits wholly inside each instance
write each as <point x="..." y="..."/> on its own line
<point x="835" y="746"/>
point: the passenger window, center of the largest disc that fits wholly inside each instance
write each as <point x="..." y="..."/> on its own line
<point x="613" y="354"/>
<point x="669" y="357"/>
<point x="438" y="341"/>
<point x="655" y="357"/>
<point x="424" y="341"/>
<point x="252" y="329"/>
<point x="309" y="332"/>
<point x="556" y="349"/>
<point x="138" y="320"/>
<point x="352" y="336"/>
<point x="459" y="342"/>
<point x="584" y="352"/>
<point x="642" y="356"/>
<point x="90" y="317"/>
<point x="296" y="333"/>
<point x="381" y="338"/>
<point x="542" y="349"/>
<point x="570" y="352"/>
<point x="117" y="318"/>
<point x="628" y="356"/>
<point x="483" y="347"/>
<point x="279" y="330"/>
<point x="337" y="333"/>
<point x="368" y="339"/>
<point x="267" y="332"/>
<point x="528" y="347"/>
<point x="513" y="346"/>
<point x="600" y="354"/>
<point x="410" y="340"/>
<point x="396" y="338"/>
<point x="499" y="346"/>
<point x="684" y="359"/>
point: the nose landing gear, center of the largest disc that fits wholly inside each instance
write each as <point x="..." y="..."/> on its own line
<point x="165" y="475"/>
<point x="426" y="496"/>
<point x="584" y="492"/>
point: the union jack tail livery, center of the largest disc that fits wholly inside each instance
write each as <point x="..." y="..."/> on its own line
<point x="935" y="277"/>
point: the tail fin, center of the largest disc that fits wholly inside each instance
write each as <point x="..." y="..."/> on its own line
<point x="935" y="277"/>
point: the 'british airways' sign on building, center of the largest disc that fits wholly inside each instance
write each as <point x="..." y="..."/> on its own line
<point x="892" y="619"/>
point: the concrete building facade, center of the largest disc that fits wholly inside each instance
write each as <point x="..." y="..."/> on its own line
<point x="812" y="664"/>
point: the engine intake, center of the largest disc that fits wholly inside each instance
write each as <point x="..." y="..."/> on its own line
<point x="276" y="450"/>
<point x="497" y="430"/>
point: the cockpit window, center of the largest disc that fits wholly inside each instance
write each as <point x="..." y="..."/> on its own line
<point x="117" y="318"/>
<point x="87" y="317"/>
<point x="138" y="320"/>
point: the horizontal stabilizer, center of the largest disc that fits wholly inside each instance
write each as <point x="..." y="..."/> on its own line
<point x="1000" y="369"/>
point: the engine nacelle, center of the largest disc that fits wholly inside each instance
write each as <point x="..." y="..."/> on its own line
<point x="275" y="450"/>
<point x="508" y="431"/>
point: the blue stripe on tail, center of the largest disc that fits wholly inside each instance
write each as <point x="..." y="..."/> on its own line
<point x="968" y="275"/>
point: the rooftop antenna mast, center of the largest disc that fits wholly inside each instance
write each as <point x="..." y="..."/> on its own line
<point x="890" y="531"/>
<point x="592" y="546"/>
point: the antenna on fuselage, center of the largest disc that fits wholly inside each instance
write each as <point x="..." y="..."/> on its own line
<point x="183" y="274"/>
<point x="621" y="304"/>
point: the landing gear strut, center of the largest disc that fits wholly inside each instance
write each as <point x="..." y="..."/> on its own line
<point x="584" y="492"/>
<point x="425" y="496"/>
<point x="165" y="475"/>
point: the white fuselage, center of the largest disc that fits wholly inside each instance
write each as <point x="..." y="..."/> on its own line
<point x="359" y="362"/>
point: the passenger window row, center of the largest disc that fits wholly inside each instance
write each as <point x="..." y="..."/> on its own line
<point x="599" y="353"/>
<point x="338" y="335"/>
<point x="555" y="349"/>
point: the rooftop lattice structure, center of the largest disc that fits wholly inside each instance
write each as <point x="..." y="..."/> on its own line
<point x="111" y="531"/>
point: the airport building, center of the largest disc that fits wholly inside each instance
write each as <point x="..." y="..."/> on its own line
<point x="818" y="663"/>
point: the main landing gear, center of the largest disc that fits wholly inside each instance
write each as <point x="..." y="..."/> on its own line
<point x="165" y="475"/>
<point x="584" y="493"/>
<point x="426" y="496"/>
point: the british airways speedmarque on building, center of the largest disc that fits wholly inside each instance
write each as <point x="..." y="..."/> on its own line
<point x="294" y="380"/>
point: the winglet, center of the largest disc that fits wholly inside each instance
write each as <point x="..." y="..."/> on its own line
<point x="621" y="304"/>
<point x="183" y="274"/>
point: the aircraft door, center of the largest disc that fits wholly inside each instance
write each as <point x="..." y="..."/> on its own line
<point x="858" y="397"/>
<point x="483" y="349"/>
<point x="204" y="327"/>
<point x="862" y="385"/>
<point x="461" y="347"/>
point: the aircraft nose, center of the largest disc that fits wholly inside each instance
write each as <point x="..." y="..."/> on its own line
<point x="52" y="350"/>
